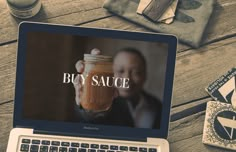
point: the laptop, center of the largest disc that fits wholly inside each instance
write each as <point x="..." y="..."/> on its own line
<point x="81" y="89"/>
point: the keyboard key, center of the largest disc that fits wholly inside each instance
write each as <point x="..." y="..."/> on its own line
<point x="112" y="147"/>
<point x="124" y="148"/>
<point x="56" y="143"/>
<point x="36" y="142"/>
<point x="133" y="149"/>
<point x="110" y="151"/>
<point x="94" y="146"/>
<point x="72" y="150"/>
<point x="74" y="144"/>
<point x="53" y="149"/>
<point x="45" y="142"/>
<point x="152" y="150"/>
<point x="82" y="150"/>
<point x="24" y="147"/>
<point x="26" y="141"/>
<point x="101" y="150"/>
<point x="66" y="144"/>
<point x="34" y="148"/>
<point x="62" y="149"/>
<point x="84" y="145"/>
<point x="142" y="149"/>
<point x="104" y="146"/>
<point x="43" y="149"/>
<point x="91" y="150"/>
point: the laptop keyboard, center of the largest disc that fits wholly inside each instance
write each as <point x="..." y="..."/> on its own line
<point x="35" y="145"/>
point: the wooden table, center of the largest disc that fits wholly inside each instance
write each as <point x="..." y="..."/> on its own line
<point x="195" y="68"/>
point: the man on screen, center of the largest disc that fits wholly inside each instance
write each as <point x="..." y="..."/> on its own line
<point x="132" y="106"/>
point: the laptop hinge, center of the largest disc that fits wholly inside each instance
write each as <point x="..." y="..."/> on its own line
<point x="55" y="133"/>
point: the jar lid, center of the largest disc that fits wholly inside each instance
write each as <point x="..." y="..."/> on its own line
<point x="22" y="4"/>
<point x="97" y="58"/>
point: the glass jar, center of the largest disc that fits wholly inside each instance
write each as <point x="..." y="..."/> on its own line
<point x="98" y="91"/>
<point x="24" y="8"/>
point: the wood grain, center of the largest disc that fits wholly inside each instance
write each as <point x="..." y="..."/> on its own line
<point x="186" y="127"/>
<point x="195" y="144"/>
<point x="5" y="128"/>
<point x="186" y="134"/>
<point x="181" y="111"/>
<point x="7" y="108"/>
<point x="196" y="69"/>
<point x="7" y="72"/>
<point x="56" y="11"/>
<point x="6" y="119"/>
<point x="50" y="9"/>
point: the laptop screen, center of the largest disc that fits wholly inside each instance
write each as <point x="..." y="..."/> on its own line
<point x="94" y="80"/>
<point x="76" y="79"/>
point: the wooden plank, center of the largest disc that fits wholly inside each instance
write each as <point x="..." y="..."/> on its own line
<point x="10" y="33"/>
<point x="196" y="69"/>
<point x="195" y="144"/>
<point x="188" y="109"/>
<point x="186" y="127"/>
<point x="53" y="11"/>
<point x="6" y="117"/>
<point x="7" y="72"/>
<point x="5" y="128"/>
<point x="186" y="135"/>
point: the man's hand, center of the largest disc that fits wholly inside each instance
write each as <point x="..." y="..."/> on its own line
<point x="78" y="82"/>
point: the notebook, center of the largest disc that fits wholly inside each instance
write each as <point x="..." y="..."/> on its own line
<point x="82" y="89"/>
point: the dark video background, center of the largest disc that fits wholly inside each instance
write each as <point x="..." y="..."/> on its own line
<point x="48" y="56"/>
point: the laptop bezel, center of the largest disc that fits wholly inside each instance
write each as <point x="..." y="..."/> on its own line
<point x="80" y="129"/>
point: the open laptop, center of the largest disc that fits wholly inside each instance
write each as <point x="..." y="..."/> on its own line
<point x="48" y="117"/>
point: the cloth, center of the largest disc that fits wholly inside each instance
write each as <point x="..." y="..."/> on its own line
<point x="189" y="25"/>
